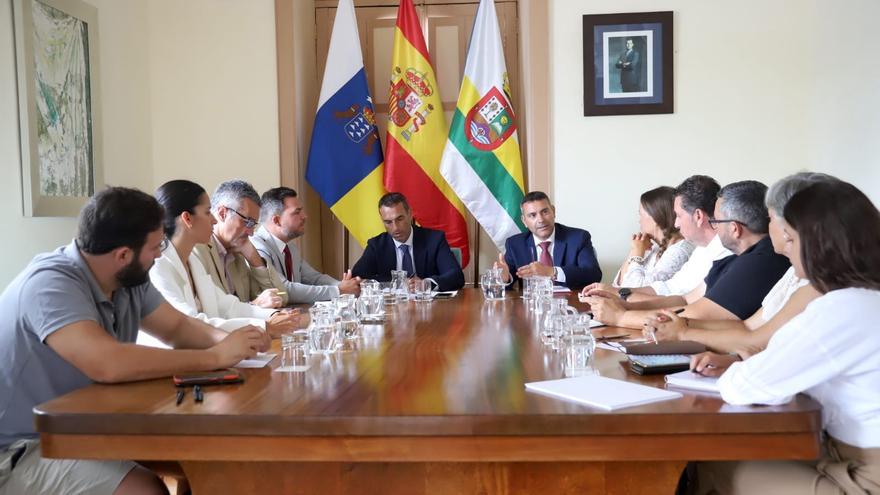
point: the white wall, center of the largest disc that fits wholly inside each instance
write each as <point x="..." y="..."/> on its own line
<point x="126" y="145"/>
<point x="762" y="89"/>
<point x="214" y="103"/>
<point x="188" y="90"/>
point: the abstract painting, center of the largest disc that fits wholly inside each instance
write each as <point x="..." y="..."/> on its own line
<point x="55" y="41"/>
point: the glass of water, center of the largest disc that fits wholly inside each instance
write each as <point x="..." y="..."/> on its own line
<point x="295" y="351"/>
<point x="577" y="354"/>
<point x="424" y="290"/>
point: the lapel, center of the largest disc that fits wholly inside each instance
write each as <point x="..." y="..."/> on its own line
<point x="216" y="270"/>
<point x="559" y="245"/>
<point x="420" y="251"/>
<point x="171" y="255"/>
<point x="203" y="286"/>
<point x="531" y="249"/>
<point x="268" y="240"/>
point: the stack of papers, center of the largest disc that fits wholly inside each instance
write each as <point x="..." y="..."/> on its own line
<point x="601" y="392"/>
<point x="693" y="381"/>
<point x="258" y="361"/>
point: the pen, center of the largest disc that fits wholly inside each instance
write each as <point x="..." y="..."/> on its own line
<point x="197" y="393"/>
<point x="281" y="293"/>
<point x="180" y="394"/>
<point x="654" y="337"/>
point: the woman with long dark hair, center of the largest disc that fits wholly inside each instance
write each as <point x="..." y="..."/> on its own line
<point x="831" y="352"/>
<point x="185" y="284"/>
<point x="658" y="250"/>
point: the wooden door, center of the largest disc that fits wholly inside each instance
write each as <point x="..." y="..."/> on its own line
<point x="447" y="29"/>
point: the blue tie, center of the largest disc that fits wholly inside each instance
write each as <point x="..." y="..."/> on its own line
<point x="406" y="263"/>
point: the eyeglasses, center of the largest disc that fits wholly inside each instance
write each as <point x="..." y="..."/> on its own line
<point x="713" y="222"/>
<point x="165" y="243"/>
<point x="248" y="221"/>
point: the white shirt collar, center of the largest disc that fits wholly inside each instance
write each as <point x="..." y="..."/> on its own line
<point x="278" y="242"/>
<point x="409" y="241"/>
<point x="552" y="238"/>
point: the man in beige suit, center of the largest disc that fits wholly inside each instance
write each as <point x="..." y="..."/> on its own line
<point x="230" y="259"/>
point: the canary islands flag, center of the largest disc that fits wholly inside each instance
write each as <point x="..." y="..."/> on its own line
<point x="345" y="157"/>
<point x="417" y="133"/>
<point x="481" y="160"/>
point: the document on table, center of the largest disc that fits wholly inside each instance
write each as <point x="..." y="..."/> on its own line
<point x="561" y="289"/>
<point x="445" y="294"/>
<point x="694" y="381"/>
<point x="258" y="361"/>
<point x="601" y="392"/>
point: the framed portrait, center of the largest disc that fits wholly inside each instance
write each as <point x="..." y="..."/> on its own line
<point x="59" y="114"/>
<point x="628" y="63"/>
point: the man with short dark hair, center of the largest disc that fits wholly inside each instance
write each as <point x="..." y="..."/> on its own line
<point x="694" y="208"/>
<point x="735" y="285"/>
<point x="422" y="253"/>
<point x="550" y="249"/>
<point x="71" y="318"/>
<point x="283" y="220"/>
<point x="230" y="258"/>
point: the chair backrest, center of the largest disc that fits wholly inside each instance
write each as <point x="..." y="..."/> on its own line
<point x="457" y="253"/>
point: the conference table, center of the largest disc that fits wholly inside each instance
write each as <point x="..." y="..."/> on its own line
<point x="430" y="402"/>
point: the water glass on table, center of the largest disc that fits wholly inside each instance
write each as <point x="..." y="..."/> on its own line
<point x="294" y="351"/>
<point x="492" y="285"/>
<point x="400" y="285"/>
<point x="577" y="354"/>
<point x="424" y="290"/>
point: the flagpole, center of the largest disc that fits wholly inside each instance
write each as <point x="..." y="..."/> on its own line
<point x="476" y="251"/>
<point x="345" y="263"/>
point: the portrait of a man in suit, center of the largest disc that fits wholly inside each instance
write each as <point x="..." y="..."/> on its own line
<point x="630" y="64"/>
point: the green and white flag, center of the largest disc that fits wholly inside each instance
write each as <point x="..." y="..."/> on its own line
<point x="481" y="160"/>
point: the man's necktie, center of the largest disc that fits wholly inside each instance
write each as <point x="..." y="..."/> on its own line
<point x="288" y="263"/>
<point x="406" y="263"/>
<point x="545" y="258"/>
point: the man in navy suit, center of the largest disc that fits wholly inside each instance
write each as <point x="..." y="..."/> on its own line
<point x="423" y="253"/>
<point x="551" y="249"/>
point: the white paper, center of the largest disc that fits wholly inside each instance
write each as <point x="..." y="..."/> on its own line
<point x="694" y="381"/>
<point x="259" y="361"/>
<point x="445" y="294"/>
<point x="601" y="392"/>
<point x="561" y="289"/>
<point x="596" y="323"/>
<point x="610" y="346"/>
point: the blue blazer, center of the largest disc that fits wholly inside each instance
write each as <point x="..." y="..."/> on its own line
<point x="432" y="258"/>
<point x="572" y="252"/>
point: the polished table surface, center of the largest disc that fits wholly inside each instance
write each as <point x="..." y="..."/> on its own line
<point x="439" y="384"/>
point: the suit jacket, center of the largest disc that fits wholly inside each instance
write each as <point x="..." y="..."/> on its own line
<point x="218" y="309"/>
<point x="307" y="285"/>
<point x="431" y="255"/>
<point x="573" y="253"/>
<point x="247" y="282"/>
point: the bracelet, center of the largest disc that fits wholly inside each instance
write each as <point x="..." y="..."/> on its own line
<point x="637" y="259"/>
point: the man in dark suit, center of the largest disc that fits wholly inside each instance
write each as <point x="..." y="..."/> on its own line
<point x="423" y="253"/>
<point x="551" y="249"/>
<point x="630" y="67"/>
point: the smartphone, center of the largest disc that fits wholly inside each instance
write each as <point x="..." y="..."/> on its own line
<point x="217" y="377"/>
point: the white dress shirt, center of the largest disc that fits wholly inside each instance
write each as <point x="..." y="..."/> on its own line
<point x="781" y="293"/>
<point x="694" y="271"/>
<point x="409" y="243"/>
<point x="560" y="273"/>
<point x="831" y="352"/>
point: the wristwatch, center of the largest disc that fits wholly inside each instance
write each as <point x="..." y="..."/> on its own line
<point x="555" y="273"/>
<point x="624" y="293"/>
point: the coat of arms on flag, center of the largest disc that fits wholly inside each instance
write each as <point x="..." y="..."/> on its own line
<point x="406" y="102"/>
<point x="360" y="123"/>
<point x="490" y="122"/>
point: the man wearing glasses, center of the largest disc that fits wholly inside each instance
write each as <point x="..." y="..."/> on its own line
<point x="735" y="286"/>
<point x="230" y="258"/>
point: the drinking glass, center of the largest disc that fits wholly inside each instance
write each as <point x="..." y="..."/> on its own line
<point x="294" y="351"/>
<point x="577" y="354"/>
<point x="370" y="306"/>
<point x="424" y="290"/>
<point x="492" y="285"/>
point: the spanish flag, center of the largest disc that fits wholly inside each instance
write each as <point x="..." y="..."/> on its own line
<point x="417" y="134"/>
<point x="345" y="157"/>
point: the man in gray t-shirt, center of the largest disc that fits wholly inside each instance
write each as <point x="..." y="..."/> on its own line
<point x="71" y="318"/>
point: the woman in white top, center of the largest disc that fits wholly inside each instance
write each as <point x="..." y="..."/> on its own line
<point x="658" y="250"/>
<point x="186" y="285"/>
<point x="787" y="298"/>
<point x="831" y="352"/>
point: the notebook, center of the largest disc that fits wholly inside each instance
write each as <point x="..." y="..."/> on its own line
<point x="694" y="381"/>
<point x="601" y="392"/>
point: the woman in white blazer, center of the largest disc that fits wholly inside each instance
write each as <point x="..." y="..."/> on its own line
<point x="187" y="286"/>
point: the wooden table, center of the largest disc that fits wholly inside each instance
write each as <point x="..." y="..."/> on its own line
<point x="432" y="402"/>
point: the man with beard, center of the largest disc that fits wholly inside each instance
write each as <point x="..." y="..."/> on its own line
<point x="549" y="249"/>
<point x="735" y="285"/>
<point x="283" y="220"/>
<point x="71" y="318"/>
